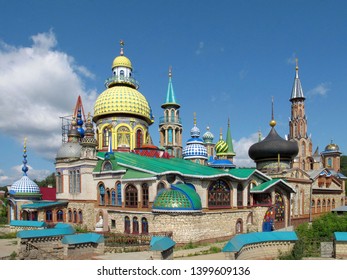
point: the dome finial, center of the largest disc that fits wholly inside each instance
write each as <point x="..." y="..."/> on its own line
<point x="297" y="68"/>
<point x="259" y="135"/>
<point x="170" y="71"/>
<point x="194" y="118"/>
<point x="121" y="47"/>
<point x="25" y="167"/>
<point x="272" y="122"/>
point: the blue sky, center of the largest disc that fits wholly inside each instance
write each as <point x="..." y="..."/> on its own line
<point x="228" y="58"/>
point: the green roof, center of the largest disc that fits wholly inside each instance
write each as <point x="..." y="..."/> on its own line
<point x="44" y="204"/>
<point x="113" y="161"/>
<point x="160" y="166"/>
<point x="134" y="174"/>
<point x="265" y="186"/>
<point x="236" y="243"/>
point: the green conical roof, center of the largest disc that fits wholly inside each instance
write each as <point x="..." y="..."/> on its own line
<point x="229" y="141"/>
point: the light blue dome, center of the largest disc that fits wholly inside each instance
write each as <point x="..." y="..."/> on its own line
<point x="195" y="132"/>
<point x="25" y="186"/>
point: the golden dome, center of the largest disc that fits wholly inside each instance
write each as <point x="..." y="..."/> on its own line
<point x="122" y="99"/>
<point x="122" y="61"/>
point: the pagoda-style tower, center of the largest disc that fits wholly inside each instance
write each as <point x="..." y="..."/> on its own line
<point x="298" y="126"/>
<point x="170" y="126"/>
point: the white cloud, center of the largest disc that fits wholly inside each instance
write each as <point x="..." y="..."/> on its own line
<point x="241" y="148"/>
<point x="200" y="48"/>
<point x="39" y="84"/>
<point x="320" y="90"/>
<point x="15" y="173"/>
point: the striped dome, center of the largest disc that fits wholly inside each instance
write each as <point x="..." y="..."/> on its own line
<point x="221" y="147"/>
<point x="25" y="186"/>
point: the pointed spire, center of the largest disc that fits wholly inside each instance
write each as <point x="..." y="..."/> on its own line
<point x="170" y="95"/>
<point x="272" y="122"/>
<point x="229" y="141"/>
<point x="297" y="92"/>
<point x="25" y="168"/>
<point x="194" y="118"/>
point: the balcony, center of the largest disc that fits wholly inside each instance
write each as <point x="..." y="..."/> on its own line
<point x="121" y="80"/>
<point x="170" y="120"/>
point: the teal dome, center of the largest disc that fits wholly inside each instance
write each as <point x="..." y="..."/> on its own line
<point x="179" y="198"/>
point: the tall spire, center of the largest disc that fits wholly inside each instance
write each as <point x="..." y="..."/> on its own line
<point x="170" y="95"/>
<point x="25" y="167"/>
<point x="229" y="141"/>
<point x="297" y="92"/>
<point x="272" y="122"/>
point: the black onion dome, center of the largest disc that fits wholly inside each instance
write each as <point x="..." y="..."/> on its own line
<point x="272" y="146"/>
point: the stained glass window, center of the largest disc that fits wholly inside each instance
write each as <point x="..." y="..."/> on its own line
<point x="279" y="207"/>
<point x="219" y="195"/>
<point x="126" y="224"/>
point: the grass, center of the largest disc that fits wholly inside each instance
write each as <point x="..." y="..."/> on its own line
<point x="9" y="235"/>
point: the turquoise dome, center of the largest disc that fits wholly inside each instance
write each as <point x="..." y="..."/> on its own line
<point x="179" y="198"/>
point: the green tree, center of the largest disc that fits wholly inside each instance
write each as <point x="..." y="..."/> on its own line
<point x="49" y="180"/>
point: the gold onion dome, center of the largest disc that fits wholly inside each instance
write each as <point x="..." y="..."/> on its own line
<point x="122" y="61"/>
<point x="122" y="96"/>
<point x="122" y="99"/>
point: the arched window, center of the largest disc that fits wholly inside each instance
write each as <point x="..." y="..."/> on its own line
<point x="139" y="138"/>
<point x="219" y="195"/>
<point x="74" y="181"/>
<point x="59" y="183"/>
<point x="113" y="199"/>
<point x="144" y="226"/>
<point x="60" y="216"/>
<point x="145" y="195"/>
<point x="119" y="194"/>
<point x="101" y="195"/>
<point x="135" y="225"/>
<point x="279" y="207"/>
<point x="121" y="73"/>
<point x="333" y="203"/>
<point x="239" y="226"/>
<point x="131" y="196"/>
<point x="108" y="197"/>
<point x="330" y="163"/>
<point x="75" y="216"/>
<point x="170" y="137"/>
<point x="239" y="195"/>
<point x="69" y="214"/>
<point x="126" y="224"/>
<point x="80" y="216"/>
<point x="107" y="166"/>
<point x="49" y="216"/>
<point x="123" y="137"/>
<point x="105" y="136"/>
<point x="303" y="149"/>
